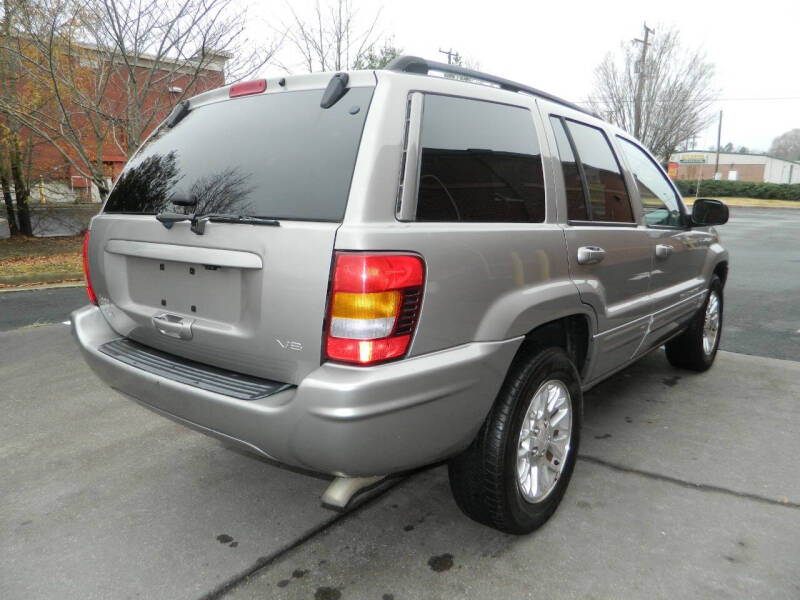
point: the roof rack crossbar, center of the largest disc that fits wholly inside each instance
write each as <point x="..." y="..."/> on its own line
<point x="421" y="66"/>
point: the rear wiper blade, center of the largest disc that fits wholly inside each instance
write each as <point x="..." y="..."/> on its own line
<point x="250" y="220"/>
<point x="199" y="221"/>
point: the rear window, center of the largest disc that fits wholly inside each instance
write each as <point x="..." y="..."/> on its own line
<point x="273" y="155"/>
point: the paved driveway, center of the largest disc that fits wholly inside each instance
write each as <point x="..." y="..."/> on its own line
<point x="687" y="485"/>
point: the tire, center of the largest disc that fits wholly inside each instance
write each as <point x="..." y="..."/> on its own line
<point x="688" y="351"/>
<point x="484" y="478"/>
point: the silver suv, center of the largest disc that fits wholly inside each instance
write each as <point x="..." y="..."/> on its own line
<point x="363" y="273"/>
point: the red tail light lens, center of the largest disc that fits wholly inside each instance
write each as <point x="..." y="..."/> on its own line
<point x="247" y="88"/>
<point x="89" y="290"/>
<point x="374" y="306"/>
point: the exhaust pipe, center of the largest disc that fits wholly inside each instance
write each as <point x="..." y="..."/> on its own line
<point x="343" y="489"/>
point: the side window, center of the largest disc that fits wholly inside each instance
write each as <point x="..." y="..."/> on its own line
<point x="576" y="199"/>
<point x="607" y="194"/>
<point x="480" y="162"/>
<point x="659" y="201"/>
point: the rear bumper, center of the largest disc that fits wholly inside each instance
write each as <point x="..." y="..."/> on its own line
<point x="341" y="420"/>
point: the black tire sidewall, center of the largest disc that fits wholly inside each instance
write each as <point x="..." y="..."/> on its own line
<point x="549" y="364"/>
<point x="686" y="350"/>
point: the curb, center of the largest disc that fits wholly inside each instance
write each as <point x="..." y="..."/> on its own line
<point x="44" y="286"/>
<point x="771" y="206"/>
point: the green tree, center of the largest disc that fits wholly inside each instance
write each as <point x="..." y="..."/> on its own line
<point x="378" y="59"/>
<point x="787" y="145"/>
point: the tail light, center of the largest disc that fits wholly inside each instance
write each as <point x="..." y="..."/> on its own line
<point x="89" y="290"/>
<point x="373" y="307"/>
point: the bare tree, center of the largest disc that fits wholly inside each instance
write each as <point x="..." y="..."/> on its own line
<point x="676" y="87"/>
<point x="787" y="145"/>
<point x="115" y="68"/>
<point x="334" y="37"/>
<point x="14" y="150"/>
<point x="8" y="201"/>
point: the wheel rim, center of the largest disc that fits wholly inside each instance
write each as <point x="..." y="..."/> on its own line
<point x="544" y="441"/>
<point x="711" y="324"/>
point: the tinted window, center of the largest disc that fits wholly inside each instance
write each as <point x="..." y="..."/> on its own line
<point x="607" y="194"/>
<point x="273" y="155"/>
<point x="480" y="162"/>
<point x="659" y="201"/>
<point x="576" y="199"/>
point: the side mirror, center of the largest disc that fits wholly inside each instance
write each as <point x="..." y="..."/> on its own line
<point x="707" y="211"/>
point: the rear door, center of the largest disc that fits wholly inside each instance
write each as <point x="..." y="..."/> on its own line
<point x="246" y="297"/>
<point x="609" y="254"/>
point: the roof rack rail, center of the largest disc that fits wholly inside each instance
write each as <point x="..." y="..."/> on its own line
<point x="421" y="66"/>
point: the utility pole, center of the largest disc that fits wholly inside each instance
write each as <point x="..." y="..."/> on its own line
<point x="452" y="57"/>
<point x="640" y="80"/>
<point x="719" y="136"/>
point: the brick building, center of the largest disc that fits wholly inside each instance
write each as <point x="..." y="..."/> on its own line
<point x="699" y="164"/>
<point x="52" y="176"/>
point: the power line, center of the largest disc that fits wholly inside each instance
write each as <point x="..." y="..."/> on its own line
<point x="752" y="99"/>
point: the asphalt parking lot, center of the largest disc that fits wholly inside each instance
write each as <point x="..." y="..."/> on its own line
<point x="687" y="485"/>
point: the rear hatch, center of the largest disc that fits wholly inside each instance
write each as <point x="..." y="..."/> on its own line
<point x="245" y="296"/>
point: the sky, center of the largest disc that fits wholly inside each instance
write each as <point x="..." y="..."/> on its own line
<point x="556" y="45"/>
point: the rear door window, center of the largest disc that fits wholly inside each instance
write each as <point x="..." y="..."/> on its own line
<point x="608" y="197"/>
<point x="273" y="155"/>
<point x="480" y="162"/>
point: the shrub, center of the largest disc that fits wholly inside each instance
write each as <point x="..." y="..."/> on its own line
<point x="743" y="189"/>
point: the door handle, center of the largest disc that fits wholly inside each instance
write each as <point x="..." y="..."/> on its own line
<point x="173" y="326"/>
<point x="663" y="250"/>
<point x="590" y="255"/>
